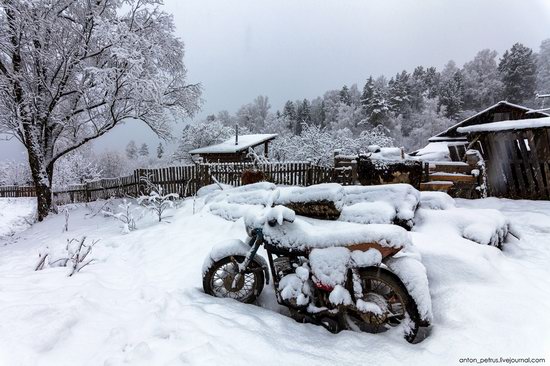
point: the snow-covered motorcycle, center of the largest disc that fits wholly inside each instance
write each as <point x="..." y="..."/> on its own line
<point x="338" y="275"/>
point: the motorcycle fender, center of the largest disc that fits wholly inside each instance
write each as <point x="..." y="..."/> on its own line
<point x="412" y="274"/>
<point x="229" y="248"/>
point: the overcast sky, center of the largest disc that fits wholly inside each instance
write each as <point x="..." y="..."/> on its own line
<point x="290" y="49"/>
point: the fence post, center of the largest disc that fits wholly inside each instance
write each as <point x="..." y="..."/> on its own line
<point x="354" y="175"/>
<point x="87" y="192"/>
<point x="336" y="154"/>
<point x="309" y="177"/>
<point x="137" y="181"/>
<point x="425" y="171"/>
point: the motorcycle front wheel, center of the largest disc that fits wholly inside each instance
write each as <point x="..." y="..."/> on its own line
<point x="221" y="280"/>
<point x="387" y="304"/>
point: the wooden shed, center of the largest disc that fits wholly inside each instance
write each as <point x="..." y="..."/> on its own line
<point x="516" y="154"/>
<point x="456" y="141"/>
<point x="234" y="149"/>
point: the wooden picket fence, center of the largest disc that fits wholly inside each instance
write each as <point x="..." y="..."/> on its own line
<point x="17" y="191"/>
<point x="288" y="173"/>
<point x="183" y="180"/>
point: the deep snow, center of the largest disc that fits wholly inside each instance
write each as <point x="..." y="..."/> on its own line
<point x="142" y="303"/>
<point x="16" y="214"/>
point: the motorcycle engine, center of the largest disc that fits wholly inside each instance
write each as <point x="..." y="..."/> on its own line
<point x="282" y="266"/>
<point x="293" y="289"/>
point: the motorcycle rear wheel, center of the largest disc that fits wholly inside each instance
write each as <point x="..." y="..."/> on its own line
<point x="385" y="289"/>
<point x="219" y="280"/>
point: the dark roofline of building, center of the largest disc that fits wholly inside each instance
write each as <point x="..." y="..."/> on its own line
<point x="441" y="136"/>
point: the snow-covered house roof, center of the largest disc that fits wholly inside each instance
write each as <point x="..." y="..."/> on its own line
<point x="508" y="125"/>
<point x="501" y="111"/>
<point x="229" y="146"/>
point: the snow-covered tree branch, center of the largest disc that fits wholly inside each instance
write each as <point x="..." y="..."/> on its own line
<point x="70" y="71"/>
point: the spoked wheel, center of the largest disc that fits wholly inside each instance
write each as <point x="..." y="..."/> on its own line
<point x="221" y="280"/>
<point x="385" y="304"/>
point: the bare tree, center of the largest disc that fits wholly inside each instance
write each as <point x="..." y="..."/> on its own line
<point x="71" y="70"/>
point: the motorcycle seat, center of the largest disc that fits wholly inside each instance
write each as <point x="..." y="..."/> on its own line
<point x="301" y="236"/>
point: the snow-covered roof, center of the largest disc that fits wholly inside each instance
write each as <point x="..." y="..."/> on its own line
<point x="447" y="139"/>
<point x="442" y="135"/>
<point x="433" y="151"/>
<point x="508" y="125"/>
<point x="229" y="146"/>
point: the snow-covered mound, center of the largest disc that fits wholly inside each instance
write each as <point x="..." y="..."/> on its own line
<point x="369" y="213"/>
<point x="234" y="211"/>
<point x="436" y="200"/>
<point x="483" y="226"/>
<point x="403" y="198"/>
<point x="331" y="192"/>
<point x="253" y="194"/>
<point x="384" y="204"/>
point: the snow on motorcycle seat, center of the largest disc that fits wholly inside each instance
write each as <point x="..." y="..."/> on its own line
<point x="303" y="235"/>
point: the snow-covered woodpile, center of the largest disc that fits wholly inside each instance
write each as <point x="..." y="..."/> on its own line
<point x="398" y="204"/>
<point x="380" y="165"/>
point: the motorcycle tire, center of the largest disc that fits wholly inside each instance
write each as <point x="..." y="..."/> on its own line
<point x="393" y="287"/>
<point x="219" y="280"/>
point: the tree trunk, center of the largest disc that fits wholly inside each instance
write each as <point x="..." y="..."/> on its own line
<point x="42" y="177"/>
<point x="44" y="200"/>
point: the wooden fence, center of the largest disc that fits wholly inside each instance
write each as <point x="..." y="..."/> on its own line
<point x="183" y="180"/>
<point x="518" y="163"/>
<point x="17" y="191"/>
<point x="289" y="173"/>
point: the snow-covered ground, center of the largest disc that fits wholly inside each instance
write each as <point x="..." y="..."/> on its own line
<point x="15" y="214"/>
<point x="141" y="302"/>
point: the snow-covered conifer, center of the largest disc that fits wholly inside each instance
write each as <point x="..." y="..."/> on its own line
<point x="144" y="150"/>
<point x="131" y="150"/>
<point x="543" y="68"/>
<point x="518" y="70"/>
<point x="451" y="95"/>
<point x="482" y="85"/>
<point x="160" y="151"/>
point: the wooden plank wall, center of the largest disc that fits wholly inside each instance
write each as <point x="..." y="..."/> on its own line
<point x="518" y="163"/>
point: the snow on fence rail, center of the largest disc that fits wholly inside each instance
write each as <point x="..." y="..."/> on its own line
<point x="183" y="180"/>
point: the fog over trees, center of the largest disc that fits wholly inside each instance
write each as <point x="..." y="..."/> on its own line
<point x="404" y="109"/>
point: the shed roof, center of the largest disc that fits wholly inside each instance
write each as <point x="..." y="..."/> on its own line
<point x="229" y="146"/>
<point x="450" y="133"/>
<point x="520" y="124"/>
